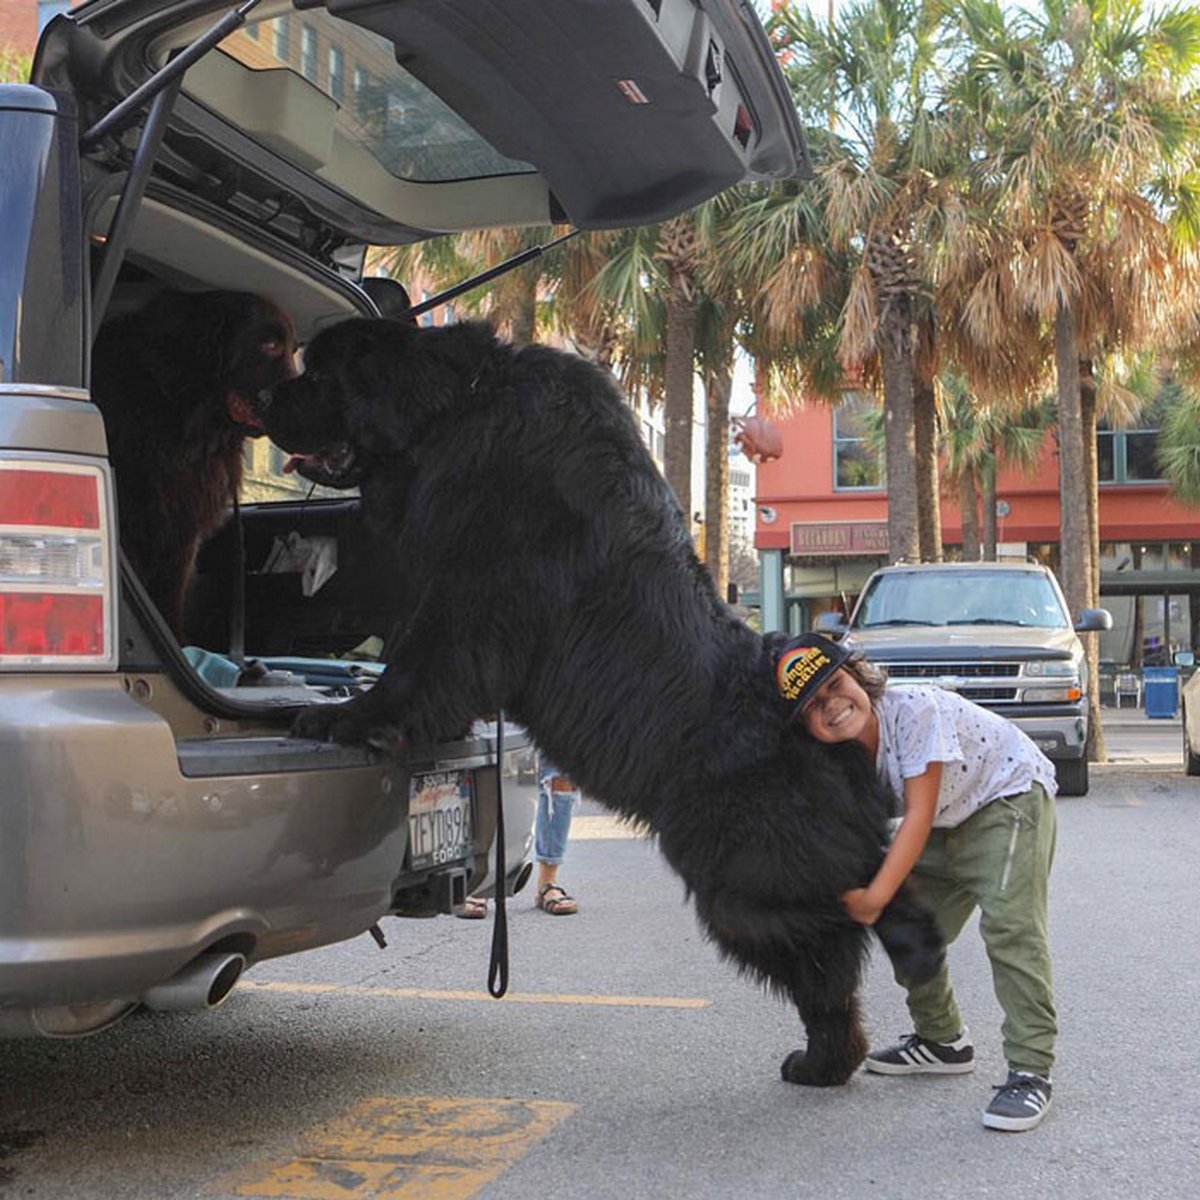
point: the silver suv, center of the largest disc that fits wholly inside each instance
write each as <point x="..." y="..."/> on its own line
<point x="997" y="633"/>
<point x="159" y="831"/>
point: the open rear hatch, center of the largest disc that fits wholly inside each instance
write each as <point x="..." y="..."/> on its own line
<point x="385" y="122"/>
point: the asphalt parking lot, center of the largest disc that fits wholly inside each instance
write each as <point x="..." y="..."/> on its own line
<point x="629" y="1061"/>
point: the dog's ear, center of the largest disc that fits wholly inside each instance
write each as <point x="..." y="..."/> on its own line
<point x="407" y="376"/>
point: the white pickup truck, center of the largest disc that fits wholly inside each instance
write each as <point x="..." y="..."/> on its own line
<point x="997" y="633"/>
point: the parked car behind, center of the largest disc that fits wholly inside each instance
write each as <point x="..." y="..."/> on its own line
<point x="997" y="633"/>
<point x="1189" y="700"/>
<point x="159" y="831"/>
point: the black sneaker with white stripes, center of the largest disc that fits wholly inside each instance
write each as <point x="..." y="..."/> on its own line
<point x="1019" y="1104"/>
<point x="914" y="1055"/>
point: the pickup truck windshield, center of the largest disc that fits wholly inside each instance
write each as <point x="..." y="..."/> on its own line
<point x="899" y="598"/>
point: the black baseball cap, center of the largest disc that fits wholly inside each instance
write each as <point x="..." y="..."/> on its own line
<point x="803" y="664"/>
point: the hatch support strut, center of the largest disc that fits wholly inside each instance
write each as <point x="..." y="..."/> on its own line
<point x="509" y="264"/>
<point x="125" y="113"/>
<point x="160" y="90"/>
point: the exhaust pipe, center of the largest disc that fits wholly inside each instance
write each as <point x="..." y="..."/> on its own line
<point x="203" y="983"/>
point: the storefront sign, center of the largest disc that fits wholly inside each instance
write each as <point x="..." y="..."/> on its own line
<point x="839" y="537"/>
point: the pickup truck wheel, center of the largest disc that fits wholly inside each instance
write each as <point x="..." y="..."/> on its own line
<point x="1072" y="776"/>
<point x="1191" y="760"/>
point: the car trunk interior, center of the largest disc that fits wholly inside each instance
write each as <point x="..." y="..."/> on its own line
<point x="277" y="614"/>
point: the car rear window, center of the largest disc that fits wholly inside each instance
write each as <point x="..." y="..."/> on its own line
<point x="380" y="107"/>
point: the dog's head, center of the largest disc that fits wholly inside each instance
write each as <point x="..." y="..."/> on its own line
<point x="253" y="346"/>
<point x="369" y="387"/>
<point x="194" y="362"/>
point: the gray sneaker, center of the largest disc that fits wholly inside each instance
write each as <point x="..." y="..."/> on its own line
<point x="914" y="1055"/>
<point x="1019" y="1104"/>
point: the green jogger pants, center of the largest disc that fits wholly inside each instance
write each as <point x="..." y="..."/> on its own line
<point x="998" y="860"/>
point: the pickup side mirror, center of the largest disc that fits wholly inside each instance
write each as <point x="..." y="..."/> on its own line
<point x="832" y="624"/>
<point x="1093" y="620"/>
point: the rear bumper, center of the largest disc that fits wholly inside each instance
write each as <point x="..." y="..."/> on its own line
<point x="117" y="869"/>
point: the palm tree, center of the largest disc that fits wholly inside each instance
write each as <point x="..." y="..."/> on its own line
<point x="1084" y="115"/>
<point x="980" y="439"/>
<point x="873" y="68"/>
<point x="1079" y="110"/>
<point x="792" y="286"/>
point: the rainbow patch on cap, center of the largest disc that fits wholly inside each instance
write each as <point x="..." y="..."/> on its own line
<point x="798" y="669"/>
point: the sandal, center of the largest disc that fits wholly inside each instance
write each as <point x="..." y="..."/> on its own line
<point x="552" y="899"/>
<point x="473" y="908"/>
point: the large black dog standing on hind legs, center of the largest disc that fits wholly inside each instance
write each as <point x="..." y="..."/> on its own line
<point x="553" y="577"/>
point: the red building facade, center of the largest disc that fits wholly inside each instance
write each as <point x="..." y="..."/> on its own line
<point x="821" y="529"/>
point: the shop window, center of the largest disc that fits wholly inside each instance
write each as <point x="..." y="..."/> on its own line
<point x="1141" y="455"/>
<point x="1150" y="557"/>
<point x="857" y="464"/>
<point x="1105" y="456"/>
<point x="1129" y="455"/>
<point x="1180" y="556"/>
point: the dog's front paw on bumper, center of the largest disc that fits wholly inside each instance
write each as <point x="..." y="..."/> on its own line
<point x="337" y="723"/>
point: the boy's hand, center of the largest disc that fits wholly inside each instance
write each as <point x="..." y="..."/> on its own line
<point x="860" y="906"/>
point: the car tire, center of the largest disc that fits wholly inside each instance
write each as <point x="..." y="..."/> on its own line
<point x="1072" y="776"/>
<point x="1191" y="760"/>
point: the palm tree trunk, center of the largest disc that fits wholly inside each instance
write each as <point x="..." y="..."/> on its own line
<point x="1074" y="548"/>
<point x="968" y="503"/>
<point x="987" y="479"/>
<point x="524" y="316"/>
<point x="899" y="436"/>
<point x="718" y="388"/>
<point x="929" y="508"/>
<point x="1097" y="751"/>
<point x="678" y="399"/>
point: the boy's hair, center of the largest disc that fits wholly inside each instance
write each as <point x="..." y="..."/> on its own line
<point x="869" y="677"/>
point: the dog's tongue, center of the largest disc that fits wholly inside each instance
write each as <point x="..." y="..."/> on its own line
<point x="241" y="411"/>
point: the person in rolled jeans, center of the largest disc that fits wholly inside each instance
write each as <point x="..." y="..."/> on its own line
<point x="557" y="797"/>
<point x="978" y="832"/>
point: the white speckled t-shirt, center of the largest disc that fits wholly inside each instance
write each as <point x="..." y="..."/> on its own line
<point x="983" y="755"/>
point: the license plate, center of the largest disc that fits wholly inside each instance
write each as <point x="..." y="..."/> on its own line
<point x="441" y="818"/>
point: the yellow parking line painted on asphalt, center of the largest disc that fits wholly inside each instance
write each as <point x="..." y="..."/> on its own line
<point x="405" y="1148"/>
<point x="592" y="829"/>
<point x="323" y="989"/>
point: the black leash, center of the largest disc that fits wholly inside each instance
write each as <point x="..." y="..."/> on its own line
<point x="237" y="599"/>
<point x="498" y="968"/>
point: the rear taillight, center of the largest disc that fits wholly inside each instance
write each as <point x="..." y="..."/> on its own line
<point x="56" y="584"/>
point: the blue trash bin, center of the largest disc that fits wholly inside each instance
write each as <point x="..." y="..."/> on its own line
<point x="1160" y="691"/>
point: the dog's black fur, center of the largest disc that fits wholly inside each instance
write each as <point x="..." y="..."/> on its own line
<point x="552" y="576"/>
<point x="175" y="382"/>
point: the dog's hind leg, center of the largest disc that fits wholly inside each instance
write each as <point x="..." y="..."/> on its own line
<point x="824" y="989"/>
